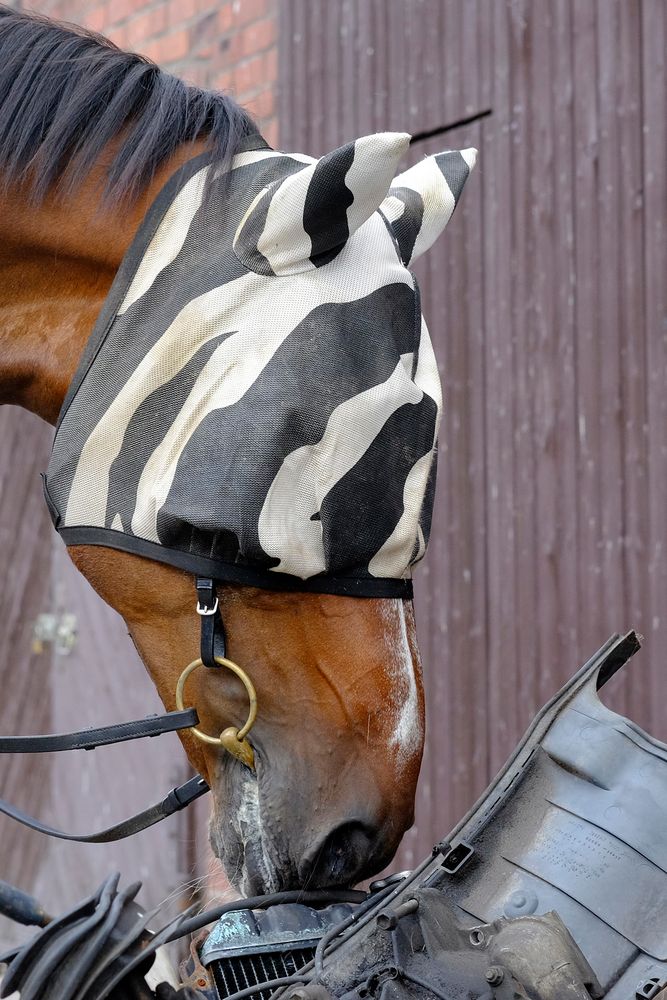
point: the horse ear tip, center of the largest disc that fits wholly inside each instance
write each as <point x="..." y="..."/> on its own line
<point x="400" y="141"/>
<point x="395" y="143"/>
<point x="469" y="155"/>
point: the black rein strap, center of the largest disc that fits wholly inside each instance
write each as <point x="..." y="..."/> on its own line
<point x="89" y="739"/>
<point x="177" y="799"/>
<point x="212" y="645"/>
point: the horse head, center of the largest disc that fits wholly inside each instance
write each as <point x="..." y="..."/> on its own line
<point x="258" y="402"/>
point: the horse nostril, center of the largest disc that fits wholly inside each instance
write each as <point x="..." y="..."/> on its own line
<point x="341" y="858"/>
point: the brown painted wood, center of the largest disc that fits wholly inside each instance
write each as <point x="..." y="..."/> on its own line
<point x="101" y="681"/>
<point x="25" y="676"/>
<point x="654" y="268"/>
<point x="632" y="222"/>
<point x="546" y="303"/>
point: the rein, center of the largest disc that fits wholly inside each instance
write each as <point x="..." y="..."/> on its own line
<point x="233" y="740"/>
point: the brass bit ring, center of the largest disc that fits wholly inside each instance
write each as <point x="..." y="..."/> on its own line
<point x="232" y="739"/>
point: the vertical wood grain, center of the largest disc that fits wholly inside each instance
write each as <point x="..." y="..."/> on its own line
<point x="101" y="681"/>
<point x="546" y="302"/>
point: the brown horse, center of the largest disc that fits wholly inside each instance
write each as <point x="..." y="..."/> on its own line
<point x="88" y="136"/>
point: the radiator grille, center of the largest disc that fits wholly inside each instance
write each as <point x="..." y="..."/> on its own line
<point x="237" y="973"/>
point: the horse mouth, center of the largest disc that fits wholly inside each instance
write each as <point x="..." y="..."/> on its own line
<point x="264" y="848"/>
<point x="257" y="879"/>
<point x="238" y="838"/>
<point x="254" y="851"/>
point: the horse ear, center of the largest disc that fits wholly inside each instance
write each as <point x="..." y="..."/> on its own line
<point x="304" y="220"/>
<point x="421" y="200"/>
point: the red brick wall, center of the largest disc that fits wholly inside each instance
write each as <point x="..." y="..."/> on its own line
<point x="226" y="45"/>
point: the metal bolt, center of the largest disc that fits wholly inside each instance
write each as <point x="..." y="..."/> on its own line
<point x="494" y="975"/>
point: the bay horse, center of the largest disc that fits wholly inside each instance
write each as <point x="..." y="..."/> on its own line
<point x="89" y="135"/>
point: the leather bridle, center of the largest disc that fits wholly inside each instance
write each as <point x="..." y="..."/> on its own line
<point x="212" y="656"/>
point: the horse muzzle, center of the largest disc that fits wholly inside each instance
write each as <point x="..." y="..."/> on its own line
<point x="270" y="837"/>
<point x="349" y="853"/>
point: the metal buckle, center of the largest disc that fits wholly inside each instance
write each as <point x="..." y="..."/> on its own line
<point x="205" y="612"/>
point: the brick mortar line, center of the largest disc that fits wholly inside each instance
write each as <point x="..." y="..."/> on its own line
<point x="134" y="15"/>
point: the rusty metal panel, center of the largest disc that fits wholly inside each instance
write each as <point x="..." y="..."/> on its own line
<point x="546" y="302"/>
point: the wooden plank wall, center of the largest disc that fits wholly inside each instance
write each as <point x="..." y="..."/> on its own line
<point x="25" y="677"/>
<point x="546" y="301"/>
<point x="101" y="681"/>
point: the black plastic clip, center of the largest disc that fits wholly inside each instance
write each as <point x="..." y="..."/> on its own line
<point x="457" y="857"/>
<point x="650" y="988"/>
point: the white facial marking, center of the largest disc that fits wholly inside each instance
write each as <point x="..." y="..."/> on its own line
<point x="404" y="705"/>
<point x="248" y="825"/>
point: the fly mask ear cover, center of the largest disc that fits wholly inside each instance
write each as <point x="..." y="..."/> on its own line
<point x="259" y="400"/>
<point x="304" y="221"/>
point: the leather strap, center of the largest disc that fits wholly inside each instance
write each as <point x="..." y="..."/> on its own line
<point x="212" y="645"/>
<point x="177" y="799"/>
<point x="88" y="739"/>
<point x="212" y="630"/>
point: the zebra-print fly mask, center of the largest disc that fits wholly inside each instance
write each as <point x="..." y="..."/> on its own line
<point x="259" y="400"/>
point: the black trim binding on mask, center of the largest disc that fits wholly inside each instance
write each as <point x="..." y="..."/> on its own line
<point x="349" y="586"/>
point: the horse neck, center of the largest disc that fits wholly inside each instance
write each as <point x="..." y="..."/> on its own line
<point x="57" y="263"/>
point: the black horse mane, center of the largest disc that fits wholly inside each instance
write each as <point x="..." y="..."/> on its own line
<point x="66" y="93"/>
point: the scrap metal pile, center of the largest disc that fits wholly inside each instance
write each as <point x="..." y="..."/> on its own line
<point x="553" y="887"/>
